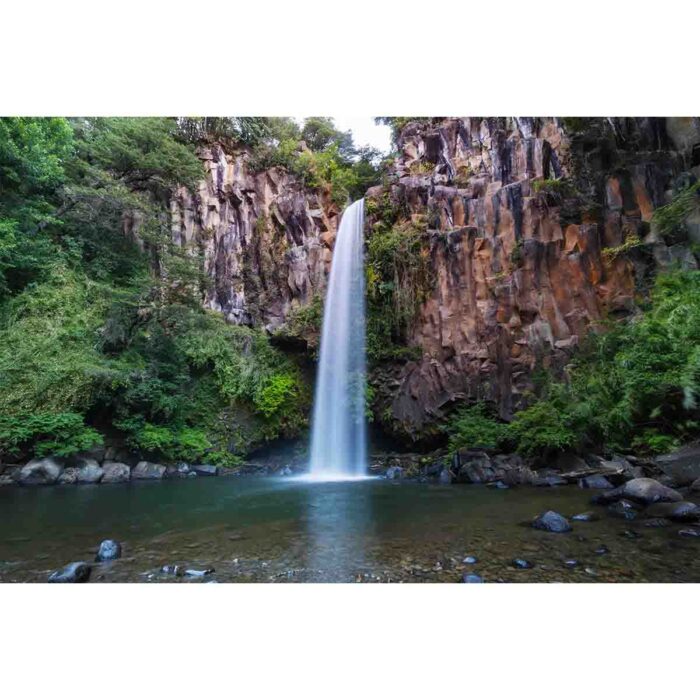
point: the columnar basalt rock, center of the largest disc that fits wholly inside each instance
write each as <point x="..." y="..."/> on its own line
<point x="524" y="266"/>
<point x="265" y="240"/>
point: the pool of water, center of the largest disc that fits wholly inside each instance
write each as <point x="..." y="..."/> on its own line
<point x="260" y="529"/>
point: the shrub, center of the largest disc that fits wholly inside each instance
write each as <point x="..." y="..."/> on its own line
<point x="476" y="426"/>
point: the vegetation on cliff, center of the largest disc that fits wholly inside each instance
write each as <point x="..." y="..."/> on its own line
<point x="103" y="335"/>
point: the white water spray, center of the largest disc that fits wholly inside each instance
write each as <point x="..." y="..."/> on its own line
<point x="338" y="444"/>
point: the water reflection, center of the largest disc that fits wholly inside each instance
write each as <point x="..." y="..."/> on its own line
<point x="340" y="526"/>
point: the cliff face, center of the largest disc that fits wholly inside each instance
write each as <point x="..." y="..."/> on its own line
<point x="524" y="270"/>
<point x="533" y="227"/>
<point x="265" y="241"/>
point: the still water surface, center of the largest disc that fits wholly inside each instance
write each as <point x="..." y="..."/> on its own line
<point x="280" y="529"/>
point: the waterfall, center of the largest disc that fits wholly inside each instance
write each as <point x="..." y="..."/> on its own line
<point x="338" y="444"/>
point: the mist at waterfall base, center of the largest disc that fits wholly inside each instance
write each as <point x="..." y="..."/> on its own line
<point x="339" y="434"/>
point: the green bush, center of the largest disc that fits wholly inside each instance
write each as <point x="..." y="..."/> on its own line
<point x="476" y="426"/>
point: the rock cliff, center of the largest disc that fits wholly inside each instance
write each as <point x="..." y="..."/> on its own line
<point x="536" y="230"/>
<point x="265" y="241"/>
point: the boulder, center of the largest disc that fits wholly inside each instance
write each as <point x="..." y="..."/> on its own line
<point x="683" y="511"/>
<point x="68" y="476"/>
<point x="90" y="473"/>
<point x="551" y="521"/>
<point x="445" y="477"/>
<point x="148" y="470"/>
<point x="205" y="469"/>
<point x="115" y="472"/>
<point x="550" y="480"/>
<point x="522" y="564"/>
<point x="199" y="573"/>
<point x="683" y="466"/>
<point x="570" y="462"/>
<point x="77" y="572"/>
<point x="394" y="473"/>
<point x="8" y="476"/>
<point x="595" y="481"/>
<point x="586" y="517"/>
<point x="108" y="551"/>
<point x="695" y="486"/>
<point x="649" y="491"/>
<point x="623" y="509"/>
<point x="39" y="472"/>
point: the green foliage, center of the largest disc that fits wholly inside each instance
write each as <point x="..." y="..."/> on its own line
<point x="542" y="428"/>
<point x="475" y="426"/>
<point x="399" y="280"/>
<point x="60" y="434"/>
<point x="554" y="188"/>
<point x="670" y="219"/>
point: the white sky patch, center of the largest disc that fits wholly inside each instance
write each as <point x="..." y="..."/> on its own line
<point x="364" y="131"/>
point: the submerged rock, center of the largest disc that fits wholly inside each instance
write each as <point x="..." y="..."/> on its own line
<point x="498" y="485"/>
<point x="570" y="563"/>
<point x="689" y="532"/>
<point x="76" y="572"/>
<point x="584" y="517"/>
<point x="173" y="570"/>
<point x="108" y="551"/>
<point x="198" y="573"/>
<point x="39" y="472"/>
<point x="680" y="510"/>
<point x="602" y="549"/>
<point x="623" y="509"/>
<point x="472" y="578"/>
<point x="469" y="560"/>
<point x="148" y="470"/>
<point x="522" y="564"/>
<point x="551" y="521"/>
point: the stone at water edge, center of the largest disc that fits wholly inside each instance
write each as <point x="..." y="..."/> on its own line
<point x="689" y="532"/>
<point x="648" y="491"/>
<point x="623" y="509"/>
<point x="148" y="470"/>
<point x="695" y="486"/>
<point x="173" y="570"/>
<point x="597" y="481"/>
<point x="472" y="578"/>
<point x="108" y="551"/>
<point x="683" y="465"/>
<point x="90" y="472"/>
<point x="76" y="572"/>
<point x="469" y="560"/>
<point x="445" y="477"/>
<point x="603" y="549"/>
<point x="394" y="473"/>
<point x="205" y="469"/>
<point x="570" y="563"/>
<point x="199" y="573"/>
<point x="584" y="517"/>
<point x="115" y="472"/>
<point x="68" y="476"/>
<point x="39" y="471"/>
<point x="551" y="521"/>
<point x="522" y="564"/>
<point x="656" y="522"/>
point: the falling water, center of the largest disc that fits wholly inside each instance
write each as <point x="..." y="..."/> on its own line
<point x="338" y="445"/>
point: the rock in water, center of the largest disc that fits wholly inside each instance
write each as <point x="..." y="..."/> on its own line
<point x="584" y="517"/>
<point x="90" y="472"/>
<point x="394" y="473"/>
<point x="597" y="481"/>
<point x="680" y="510"/>
<point x="603" y="549"/>
<point x="689" y="532"/>
<point x="445" y="477"/>
<point x="648" y="491"/>
<point x="108" y="551"/>
<point x="68" y="476"/>
<point x="40" y="471"/>
<point x="522" y="564"/>
<point x="205" y="469"/>
<point x="115" y="472"/>
<point x="77" y="572"/>
<point x="551" y="521"/>
<point x="683" y="466"/>
<point x="148" y="470"/>
<point x="173" y="570"/>
<point x="199" y="572"/>
<point x="570" y="563"/>
<point x="623" y="509"/>
<point x="469" y="560"/>
<point x="472" y="578"/>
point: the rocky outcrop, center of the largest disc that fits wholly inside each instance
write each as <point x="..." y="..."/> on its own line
<point x="40" y="472"/>
<point x="265" y="240"/>
<point x="531" y="225"/>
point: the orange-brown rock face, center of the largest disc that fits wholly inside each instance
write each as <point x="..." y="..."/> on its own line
<point x="522" y="272"/>
<point x="266" y="242"/>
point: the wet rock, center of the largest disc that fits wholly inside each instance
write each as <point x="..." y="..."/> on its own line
<point x="551" y="521"/>
<point x="550" y="480"/>
<point x="596" y="481"/>
<point x="199" y="573"/>
<point x="394" y="473"/>
<point x="570" y="462"/>
<point x="695" y="486"/>
<point x="683" y="465"/>
<point x="522" y="564"/>
<point x="630" y="534"/>
<point x="76" y="572"/>
<point x="570" y="563"/>
<point x="90" y="472"/>
<point x="115" y="472"/>
<point x="472" y="578"/>
<point x="39" y="472"/>
<point x="469" y="560"/>
<point x="205" y="469"/>
<point x="285" y="471"/>
<point x="584" y="517"/>
<point x="498" y="485"/>
<point x="173" y="570"/>
<point x="148" y="470"/>
<point x="656" y="522"/>
<point x="445" y="477"/>
<point x="7" y="477"/>
<point x="680" y="510"/>
<point x="191" y="475"/>
<point x="602" y="549"/>
<point x="648" y="491"/>
<point x="108" y="551"/>
<point x="68" y="476"/>
<point x="623" y="509"/>
<point x="689" y="532"/>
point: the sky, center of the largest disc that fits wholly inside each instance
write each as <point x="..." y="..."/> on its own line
<point x="364" y="131"/>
